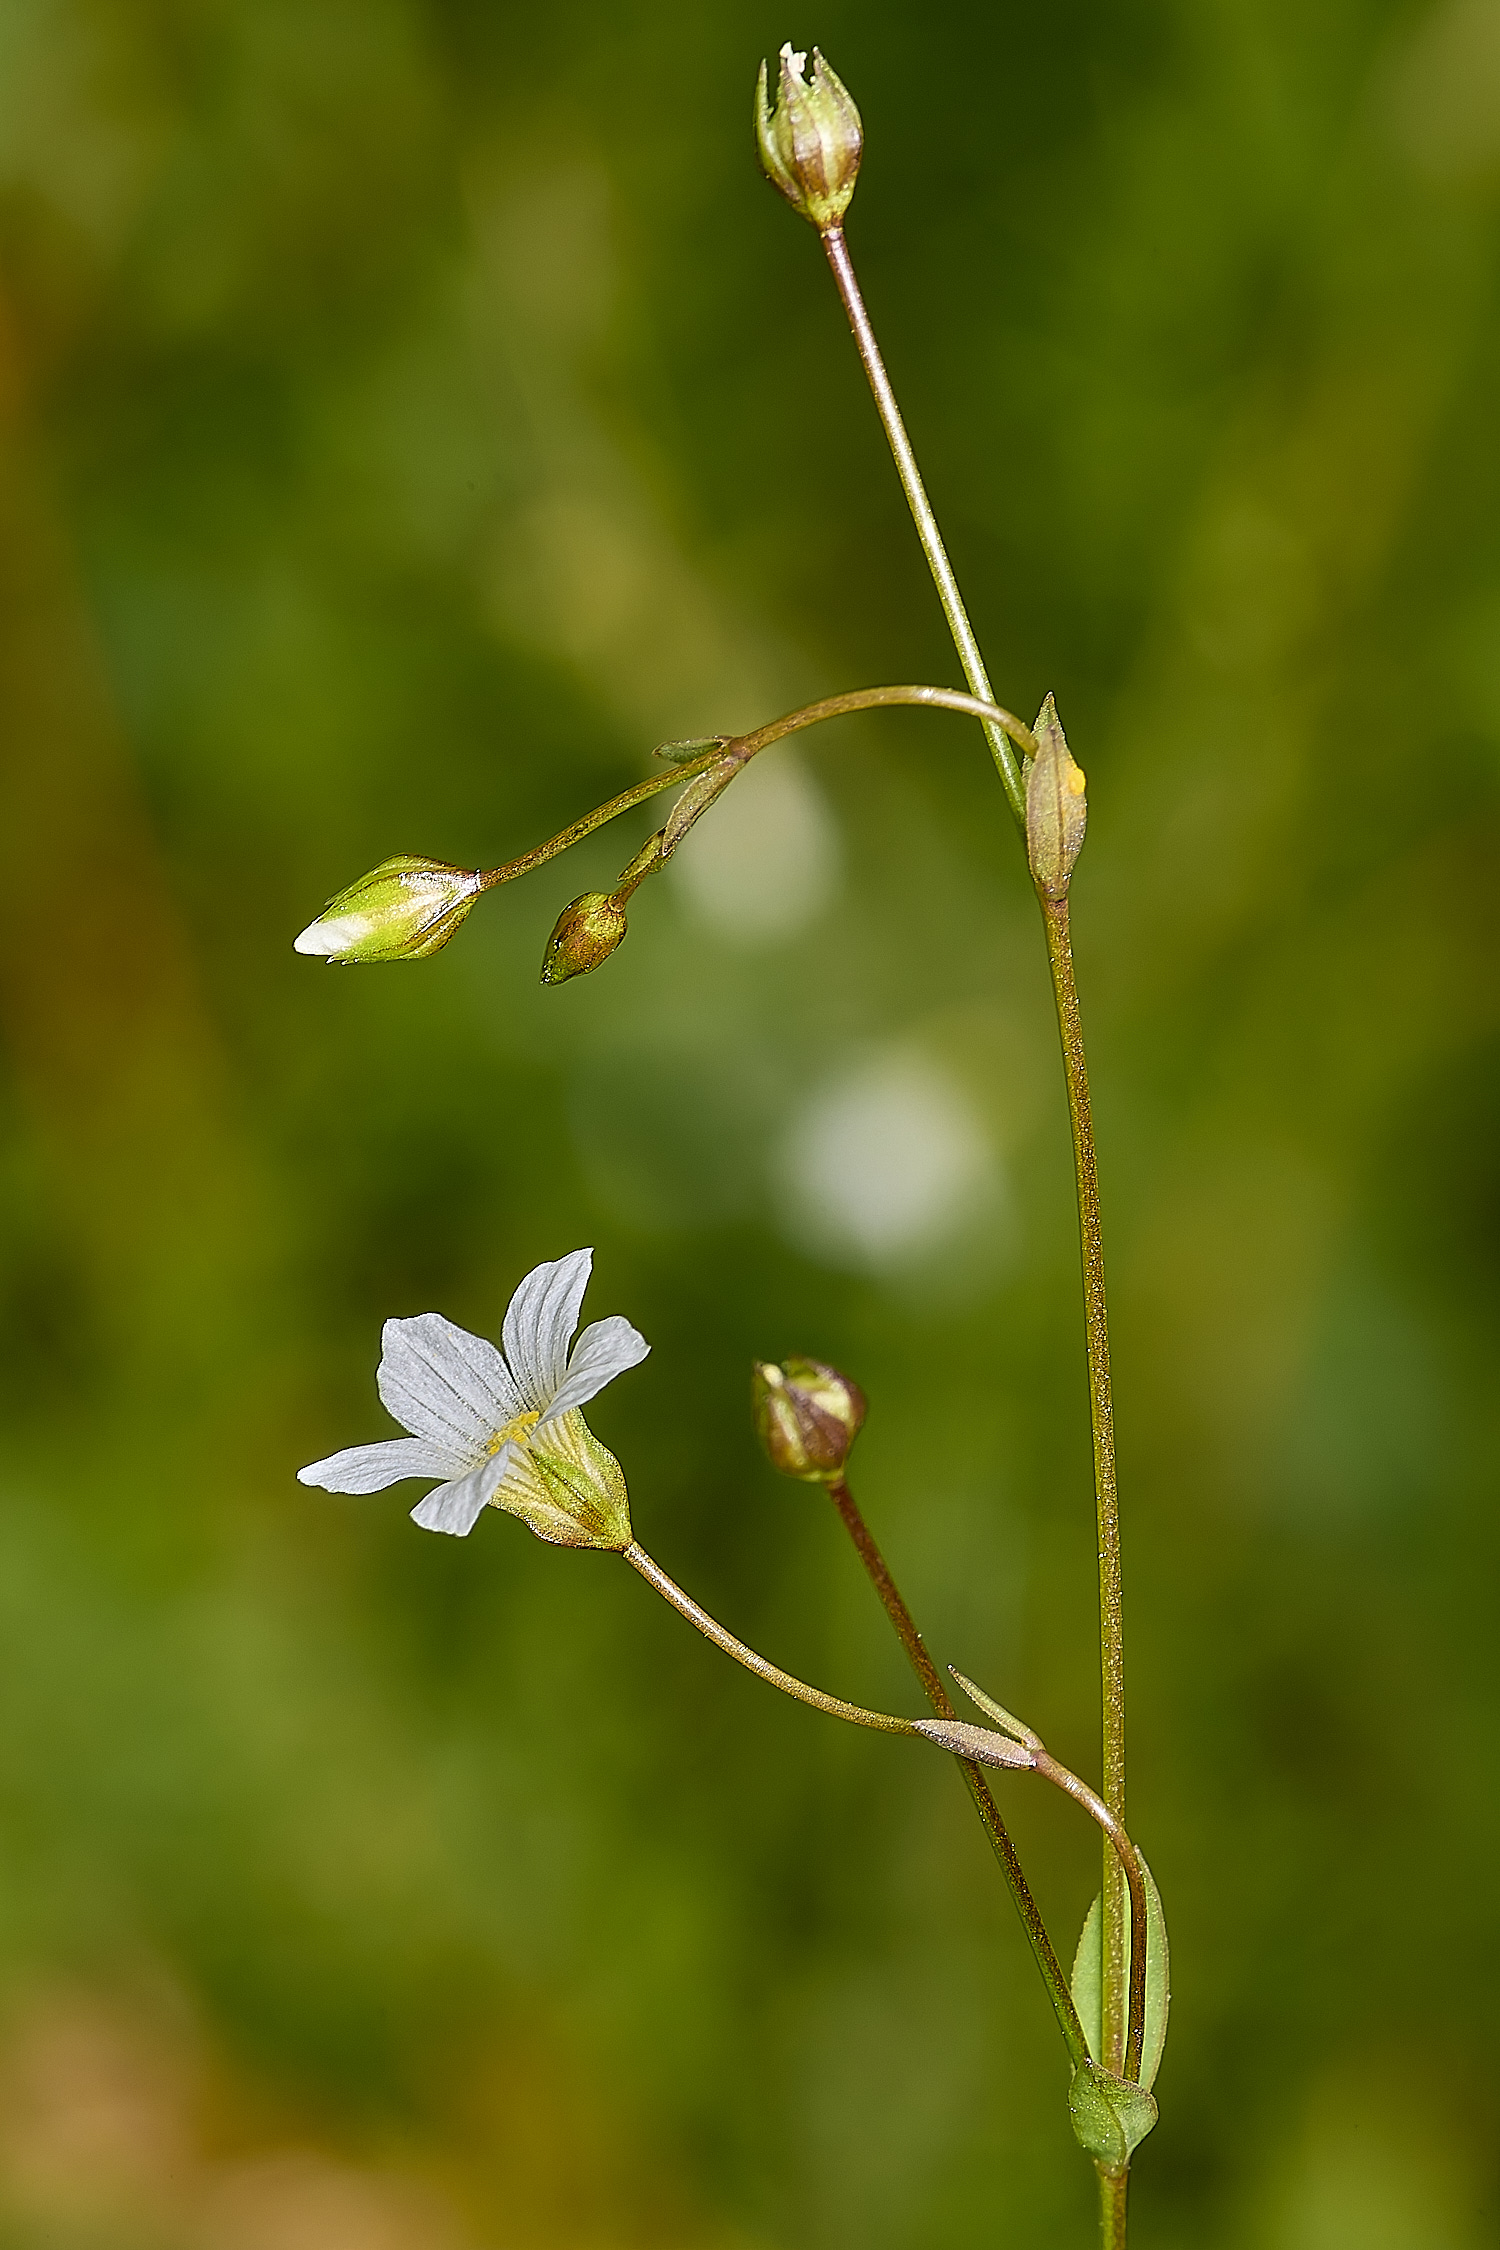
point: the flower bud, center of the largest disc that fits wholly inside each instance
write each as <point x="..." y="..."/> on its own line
<point x="807" y="1416"/>
<point x="810" y="142"/>
<point x="403" y="909"/>
<point x="1056" y="809"/>
<point x="587" y="933"/>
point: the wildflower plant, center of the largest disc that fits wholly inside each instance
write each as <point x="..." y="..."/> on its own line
<point x="502" y="1426"/>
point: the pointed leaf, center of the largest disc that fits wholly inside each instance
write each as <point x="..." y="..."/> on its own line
<point x="695" y="801"/>
<point x="1088" y="1976"/>
<point x="1110" y="2117"/>
<point x="683" y="753"/>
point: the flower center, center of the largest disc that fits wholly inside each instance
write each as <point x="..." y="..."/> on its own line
<point x="515" y="1432"/>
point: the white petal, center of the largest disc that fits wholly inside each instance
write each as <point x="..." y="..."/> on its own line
<point x="540" y="1323"/>
<point x="457" y="1507"/>
<point x="333" y="938"/>
<point x="445" y="1385"/>
<point x="600" y="1354"/>
<point x="370" y="1468"/>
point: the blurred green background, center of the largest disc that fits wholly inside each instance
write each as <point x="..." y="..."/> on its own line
<point x="411" y="410"/>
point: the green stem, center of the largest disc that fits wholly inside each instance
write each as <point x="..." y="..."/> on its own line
<point x="1114" y="2189"/>
<point x="921" y="509"/>
<point x="1101" y="1414"/>
<point x="979" y="1789"/>
<point x="1059" y="953"/>
<point x="736" y="750"/>
<point x="712" y="1630"/>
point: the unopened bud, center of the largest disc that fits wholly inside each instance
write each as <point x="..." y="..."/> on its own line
<point x="807" y="1416"/>
<point x="810" y="141"/>
<point x="1056" y="808"/>
<point x="402" y="910"/>
<point x="587" y="933"/>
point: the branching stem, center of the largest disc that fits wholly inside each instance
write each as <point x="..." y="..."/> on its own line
<point x="738" y="749"/>
<point x="979" y="1789"/>
<point x="1124" y="1855"/>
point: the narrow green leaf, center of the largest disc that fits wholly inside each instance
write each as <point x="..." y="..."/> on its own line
<point x="683" y="753"/>
<point x="695" y="801"/>
<point x="1088" y="1980"/>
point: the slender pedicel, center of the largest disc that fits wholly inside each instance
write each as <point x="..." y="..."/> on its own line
<point x="964" y="640"/>
<point x="1058" y="1990"/>
<point x="712" y="1630"/>
<point x="735" y="751"/>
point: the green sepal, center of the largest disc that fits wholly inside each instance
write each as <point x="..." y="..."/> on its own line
<point x="810" y="139"/>
<point x="1110" y="2116"/>
<point x="569" y="1488"/>
<point x="1088" y="1980"/>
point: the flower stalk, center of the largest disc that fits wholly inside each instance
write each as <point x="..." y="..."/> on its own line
<point x="886" y="1722"/>
<point x="836" y="249"/>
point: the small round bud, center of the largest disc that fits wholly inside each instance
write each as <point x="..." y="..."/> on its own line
<point x="402" y="910"/>
<point x="810" y="142"/>
<point x="587" y="933"/>
<point x="807" y="1416"/>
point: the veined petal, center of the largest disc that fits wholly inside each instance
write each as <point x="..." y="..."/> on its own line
<point x="457" y="1507"/>
<point x="445" y="1385"/>
<point x="601" y="1353"/>
<point x="370" y="1468"/>
<point x="539" y="1326"/>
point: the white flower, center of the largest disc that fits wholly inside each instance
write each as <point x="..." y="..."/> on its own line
<point x="502" y="1430"/>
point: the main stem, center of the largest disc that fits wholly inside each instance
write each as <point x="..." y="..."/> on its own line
<point x="1106" y="1491"/>
<point x="964" y="640"/>
<point x="1112" y="1662"/>
<point x="979" y="1789"/>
